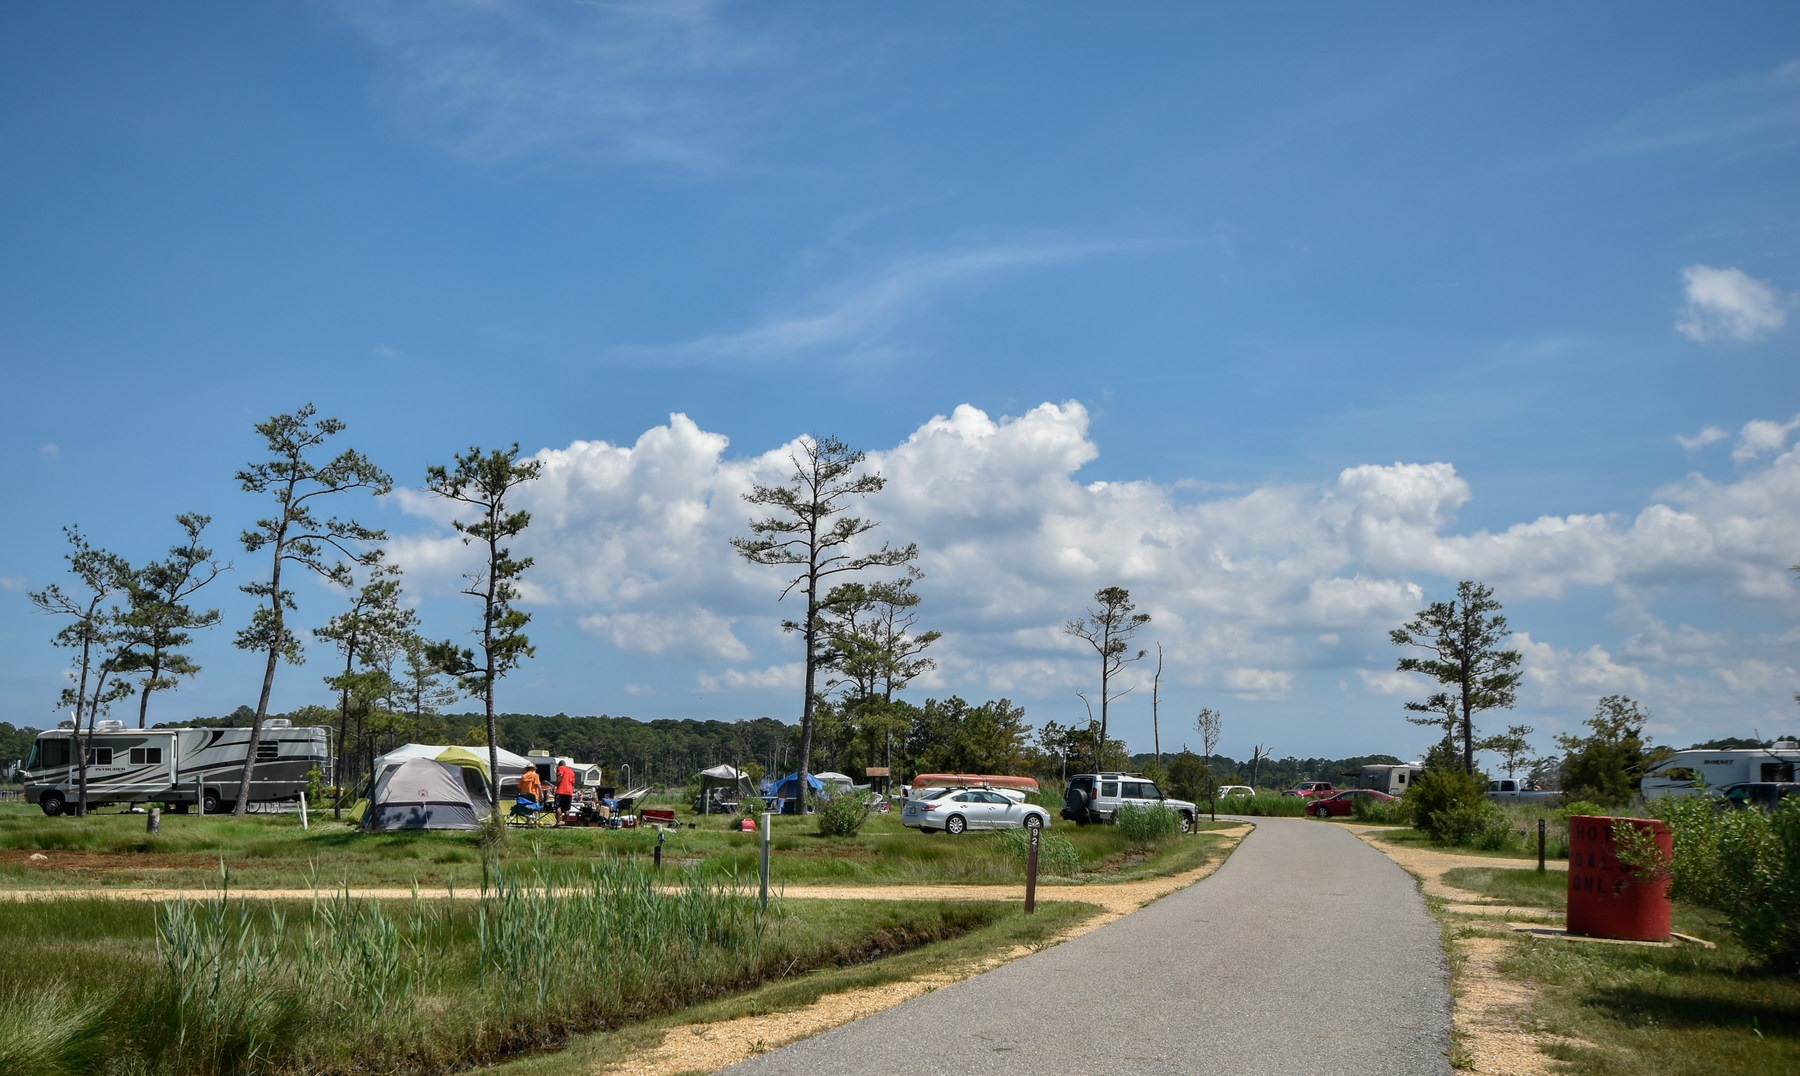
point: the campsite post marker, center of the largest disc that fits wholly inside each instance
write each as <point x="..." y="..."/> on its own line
<point x="1031" y="872"/>
<point x="153" y="821"/>
<point x="1540" y="846"/>
<point x="303" y="824"/>
<point x="660" y="838"/>
<point x="765" y="859"/>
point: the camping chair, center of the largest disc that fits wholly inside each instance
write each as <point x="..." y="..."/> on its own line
<point x="528" y="812"/>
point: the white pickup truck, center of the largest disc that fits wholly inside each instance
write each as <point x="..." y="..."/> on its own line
<point x="1507" y="790"/>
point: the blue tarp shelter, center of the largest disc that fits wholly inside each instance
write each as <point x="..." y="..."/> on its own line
<point x="788" y="789"/>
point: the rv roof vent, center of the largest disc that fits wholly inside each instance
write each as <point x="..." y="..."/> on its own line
<point x="278" y="723"/>
<point x="1787" y="745"/>
<point x="109" y="726"/>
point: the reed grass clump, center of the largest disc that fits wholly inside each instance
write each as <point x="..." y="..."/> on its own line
<point x="1056" y="854"/>
<point x="1147" y="827"/>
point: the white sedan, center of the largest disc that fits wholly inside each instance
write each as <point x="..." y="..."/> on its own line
<point x="962" y="809"/>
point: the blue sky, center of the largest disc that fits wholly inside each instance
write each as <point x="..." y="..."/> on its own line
<point x="1283" y="316"/>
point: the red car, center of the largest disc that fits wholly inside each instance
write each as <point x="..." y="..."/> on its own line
<point x="1344" y="803"/>
<point x="1307" y="790"/>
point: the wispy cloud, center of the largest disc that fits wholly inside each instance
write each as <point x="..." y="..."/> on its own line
<point x="659" y="82"/>
<point x="1728" y="304"/>
<point x="1761" y="108"/>
<point x="1711" y="435"/>
<point x="857" y="316"/>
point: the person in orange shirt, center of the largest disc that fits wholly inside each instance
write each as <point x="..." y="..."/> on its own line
<point x="565" y="790"/>
<point x="532" y="785"/>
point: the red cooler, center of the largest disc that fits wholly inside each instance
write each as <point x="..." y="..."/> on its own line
<point x="1605" y="900"/>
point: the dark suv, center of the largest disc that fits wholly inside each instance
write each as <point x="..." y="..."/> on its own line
<point x="1097" y="797"/>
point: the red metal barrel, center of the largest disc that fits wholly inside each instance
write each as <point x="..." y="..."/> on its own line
<point x="1608" y="899"/>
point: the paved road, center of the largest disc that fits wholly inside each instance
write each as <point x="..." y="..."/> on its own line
<point x="1307" y="952"/>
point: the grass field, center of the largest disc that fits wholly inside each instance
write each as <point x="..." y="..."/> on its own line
<point x="112" y="849"/>
<point x="554" y="934"/>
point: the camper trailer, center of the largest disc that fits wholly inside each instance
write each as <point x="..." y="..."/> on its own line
<point x="1393" y="780"/>
<point x="177" y="767"/>
<point x="1686" y="773"/>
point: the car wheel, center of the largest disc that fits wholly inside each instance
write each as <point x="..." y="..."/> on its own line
<point x="52" y="803"/>
<point x="955" y="825"/>
<point x="1034" y="823"/>
<point x="1187" y="822"/>
<point x="1320" y="812"/>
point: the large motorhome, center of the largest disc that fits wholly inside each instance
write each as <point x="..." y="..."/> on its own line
<point x="176" y="767"/>
<point x="1686" y="773"/>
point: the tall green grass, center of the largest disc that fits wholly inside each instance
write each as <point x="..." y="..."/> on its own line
<point x="1147" y="827"/>
<point x="219" y="985"/>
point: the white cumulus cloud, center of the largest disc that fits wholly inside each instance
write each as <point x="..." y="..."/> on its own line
<point x="1254" y="593"/>
<point x="1728" y="304"/>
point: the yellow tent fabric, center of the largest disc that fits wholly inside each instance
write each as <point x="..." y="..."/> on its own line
<point x="462" y="756"/>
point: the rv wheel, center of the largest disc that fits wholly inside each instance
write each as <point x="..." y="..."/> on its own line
<point x="209" y="803"/>
<point x="52" y="803"/>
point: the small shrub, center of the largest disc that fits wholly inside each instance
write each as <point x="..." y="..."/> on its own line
<point x="1145" y="827"/>
<point x="316" y="792"/>
<point x="1447" y="805"/>
<point x="842" y="815"/>
<point x="1746" y="864"/>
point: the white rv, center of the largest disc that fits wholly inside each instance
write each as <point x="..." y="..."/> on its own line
<point x="1394" y="780"/>
<point x="177" y="767"/>
<point x="1686" y="772"/>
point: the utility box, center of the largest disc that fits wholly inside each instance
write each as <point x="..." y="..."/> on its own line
<point x="1608" y="899"/>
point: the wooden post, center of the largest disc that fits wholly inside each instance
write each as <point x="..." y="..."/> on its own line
<point x="1031" y="858"/>
<point x="1540" y="846"/>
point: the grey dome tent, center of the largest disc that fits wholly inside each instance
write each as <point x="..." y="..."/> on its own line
<point x="423" y="793"/>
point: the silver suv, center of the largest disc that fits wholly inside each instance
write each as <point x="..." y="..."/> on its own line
<point x="1097" y="797"/>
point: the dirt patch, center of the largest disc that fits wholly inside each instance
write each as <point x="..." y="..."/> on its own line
<point x="100" y="866"/>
